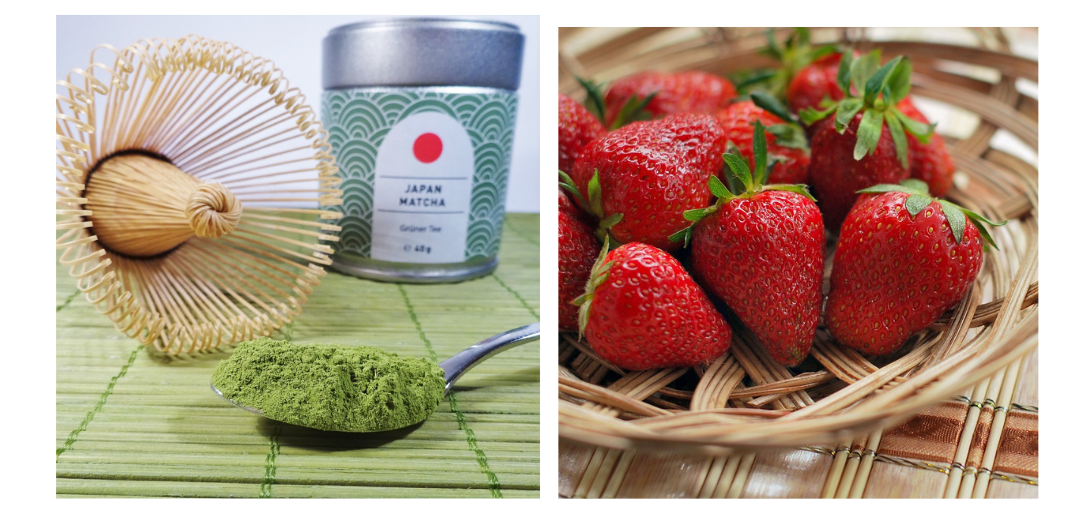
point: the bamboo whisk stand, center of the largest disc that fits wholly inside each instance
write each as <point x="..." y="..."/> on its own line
<point x="187" y="176"/>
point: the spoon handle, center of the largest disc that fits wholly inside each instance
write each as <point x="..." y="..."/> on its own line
<point x="459" y="364"/>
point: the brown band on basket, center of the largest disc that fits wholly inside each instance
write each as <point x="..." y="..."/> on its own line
<point x="982" y="434"/>
<point x="931" y="436"/>
<point x="1019" y="449"/>
<point x="859" y="444"/>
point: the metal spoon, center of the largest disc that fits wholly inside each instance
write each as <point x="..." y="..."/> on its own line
<point x="459" y="364"/>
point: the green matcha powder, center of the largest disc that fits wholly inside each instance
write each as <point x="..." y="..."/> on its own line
<point x="331" y="387"/>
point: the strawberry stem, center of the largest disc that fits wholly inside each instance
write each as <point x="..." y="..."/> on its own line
<point x="597" y="276"/>
<point x="796" y="53"/>
<point x="568" y="185"/>
<point x="594" y="99"/>
<point x="878" y="90"/>
<point x="752" y="183"/>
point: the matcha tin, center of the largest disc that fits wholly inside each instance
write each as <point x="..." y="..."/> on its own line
<point x="420" y="115"/>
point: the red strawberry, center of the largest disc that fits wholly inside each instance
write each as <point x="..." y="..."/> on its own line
<point x="676" y="93"/>
<point x="836" y="176"/>
<point x="815" y="83"/>
<point x="763" y="254"/>
<point x="903" y="259"/>
<point x="641" y="310"/>
<point x="577" y="128"/>
<point x="648" y="173"/>
<point x="864" y="138"/>
<point x="792" y="162"/>
<point x="792" y="55"/>
<point x="930" y="162"/>
<point x="578" y="251"/>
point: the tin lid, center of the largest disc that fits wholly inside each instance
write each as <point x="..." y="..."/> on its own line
<point x="423" y="52"/>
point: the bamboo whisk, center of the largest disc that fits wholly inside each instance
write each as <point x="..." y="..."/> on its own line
<point x="188" y="172"/>
<point x="145" y="206"/>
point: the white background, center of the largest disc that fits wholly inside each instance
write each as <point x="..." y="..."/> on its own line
<point x="294" y="44"/>
<point x="28" y="88"/>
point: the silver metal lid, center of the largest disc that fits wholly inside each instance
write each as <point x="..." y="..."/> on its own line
<point x="423" y="52"/>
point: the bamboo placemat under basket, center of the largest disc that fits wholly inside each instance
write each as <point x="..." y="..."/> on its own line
<point x="744" y="402"/>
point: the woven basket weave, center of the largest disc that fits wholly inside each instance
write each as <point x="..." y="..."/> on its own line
<point x="745" y="401"/>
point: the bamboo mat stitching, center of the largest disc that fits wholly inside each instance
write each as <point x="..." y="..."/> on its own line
<point x="481" y="458"/>
<point x="988" y="403"/>
<point x="271" y="464"/>
<point x="527" y="238"/>
<point x="855" y="454"/>
<point x="849" y="454"/>
<point x="515" y="294"/>
<point x="265" y="488"/>
<point x="1012" y="478"/>
<point x="68" y="301"/>
<point x="269" y="485"/>
<point x="97" y="407"/>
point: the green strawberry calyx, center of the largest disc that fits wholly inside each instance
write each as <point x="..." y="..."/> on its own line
<point x="919" y="198"/>
<point x="788" y="134"/>
<point x="633" y="110"/>
<point x="796" y="52"/>
<point x="600" y="272"/>
<point x="752" y="183"/>
<point x="593" y="204"/>
<point x="878" y="89"/>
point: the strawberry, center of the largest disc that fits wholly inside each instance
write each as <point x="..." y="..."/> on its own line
<point x="577" y="128"/>
<point x="903" y="259"/>
<point x="836" y="176"/>
<point x="642" y="177"/>
<point x="786" y="143"/>
<point x="930" y="162"/>
<point x="641" y="310"/>
<point x="863" y="141"/>
<point x="578" y="251"/>
<point x="763" y="253"/>
<point x="674" y="93"/>
<point x="794" y="55"/>
<point x="816" y="83"/>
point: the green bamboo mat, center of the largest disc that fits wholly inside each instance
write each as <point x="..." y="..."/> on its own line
<point x="130" y="422"/>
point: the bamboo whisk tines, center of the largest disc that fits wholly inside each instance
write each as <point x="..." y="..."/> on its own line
<point x="184" y="174"/>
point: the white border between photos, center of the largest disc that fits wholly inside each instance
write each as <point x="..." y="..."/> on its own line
<point x="30" y="41"/>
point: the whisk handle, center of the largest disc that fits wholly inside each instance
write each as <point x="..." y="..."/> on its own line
<point x="213" y="211"/>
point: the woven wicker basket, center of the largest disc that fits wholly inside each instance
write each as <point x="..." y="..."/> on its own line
<point x="746" y="402"/>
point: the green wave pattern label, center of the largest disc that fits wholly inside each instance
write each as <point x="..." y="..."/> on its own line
<point x="358" y="121"/>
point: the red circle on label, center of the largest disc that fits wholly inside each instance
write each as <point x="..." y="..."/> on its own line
<point x="427" y="148"/>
